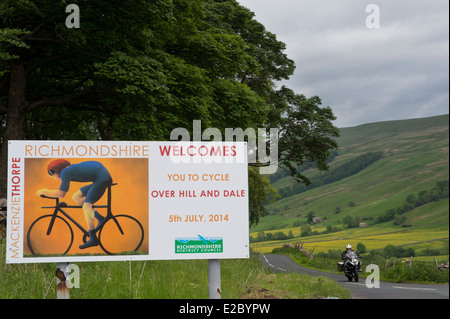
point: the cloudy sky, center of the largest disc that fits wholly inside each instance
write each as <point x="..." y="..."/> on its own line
<point x="397" y="71"/>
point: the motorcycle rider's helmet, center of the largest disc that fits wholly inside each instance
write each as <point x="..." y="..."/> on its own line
<point x="348" y="247"/>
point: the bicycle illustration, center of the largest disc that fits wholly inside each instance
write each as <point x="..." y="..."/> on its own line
<point x="53" y="234"/>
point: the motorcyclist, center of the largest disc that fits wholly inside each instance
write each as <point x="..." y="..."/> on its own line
<point x="351" y="266"/>
<point x="348" y="250"/>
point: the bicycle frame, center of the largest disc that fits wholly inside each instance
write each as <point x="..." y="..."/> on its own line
<point x="59" y="205"/>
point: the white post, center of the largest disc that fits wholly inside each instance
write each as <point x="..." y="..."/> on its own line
<point x="214" y="278"/>
<point x="62" y="291"/>
<point x="213" y="264"/>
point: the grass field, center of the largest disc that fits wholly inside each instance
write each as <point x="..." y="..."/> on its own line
<point x="429" y="229"/>
<point x="416" y="156"/>
<point x="184" y="279"/>
<point x="418" y="240"/>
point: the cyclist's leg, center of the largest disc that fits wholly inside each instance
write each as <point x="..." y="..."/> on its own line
<point x="80" y="196"/>
<point x="89" y="215"/>
<point x="95" y="192"/>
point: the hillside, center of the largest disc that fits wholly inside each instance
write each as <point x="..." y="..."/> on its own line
<point x="415" y="157"/>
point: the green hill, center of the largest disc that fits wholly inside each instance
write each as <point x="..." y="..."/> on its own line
<point x="415" y="157"/>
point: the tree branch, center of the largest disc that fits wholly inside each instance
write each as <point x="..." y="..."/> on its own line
<point x="69" y="90"/>
<point x="37" y="64"/>
<point x="67" y="43"/>
<point x="45" y="101"/>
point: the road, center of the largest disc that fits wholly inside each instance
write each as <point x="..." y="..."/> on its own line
<point x="359" y="290"/>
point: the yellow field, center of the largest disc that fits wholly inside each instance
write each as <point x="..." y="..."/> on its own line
<point x="371" y="238"/>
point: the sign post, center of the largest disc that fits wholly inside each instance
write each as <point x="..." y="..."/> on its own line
<point x="62" y="289"/>
<point x="214" y="279"/>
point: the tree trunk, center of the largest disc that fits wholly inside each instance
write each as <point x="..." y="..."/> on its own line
<point x="15" y="119"/>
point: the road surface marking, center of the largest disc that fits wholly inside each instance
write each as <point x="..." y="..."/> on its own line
<point x="354" y="283"/>
<point x="414" y="288"/>
<point x="268" y="262"/>
<point x="273" y="265"/>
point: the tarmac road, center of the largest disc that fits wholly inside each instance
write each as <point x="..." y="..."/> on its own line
<point x="359" y="290"/>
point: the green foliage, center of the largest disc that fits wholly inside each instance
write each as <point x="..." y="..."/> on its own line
<point x="349" y="168"/>
<point x="430" y="252"/>
<point x="261" y="193"/>
<point x="305" y="230"/>
<point x="331" y="254"/>
<point x="350" y="221"/>
<point x="361" y="248"/>
<point x="283" y="173"/>
<point x="310" y="217"/>
<point x="136" y="70"/>
<point x="306" y="132"/>
<point x="439" y="191"/>
<point x="10" y="38"/>
<point x="397" y="251"/>
<point x="415" y="158"/>
<point x="408" y="271"/>
<point x="418" y="272"/>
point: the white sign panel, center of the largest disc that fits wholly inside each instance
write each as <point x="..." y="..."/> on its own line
<point x="103" y="200"/>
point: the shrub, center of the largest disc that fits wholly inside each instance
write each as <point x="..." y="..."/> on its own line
<point x="305" y="230"/>
<point x="360" y="248"/>
<point x="419" y="272"/>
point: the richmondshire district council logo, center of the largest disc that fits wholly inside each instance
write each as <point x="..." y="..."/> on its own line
<point x="200" y="244"/>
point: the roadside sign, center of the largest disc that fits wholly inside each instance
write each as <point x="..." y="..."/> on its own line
<point x="162" y="200"/>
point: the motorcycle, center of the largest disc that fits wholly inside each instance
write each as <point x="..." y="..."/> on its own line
<point x="351" y="266"/>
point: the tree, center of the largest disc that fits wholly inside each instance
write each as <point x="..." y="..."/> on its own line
<point x="261" y="193"/>
<point x="305" y="230"/>
<point x="360" y="248"/>
<point x="260" y="236"/>
<point x="390" y="251"/>
<point x="411" y="199"/>
<point x="310" y="217"/>
<point x="349" y="221"/>
<point x="137" y="69"/>
<point x="98" y="75"/>
<point x="279" y="235"/>
<point x="306" y="134"/>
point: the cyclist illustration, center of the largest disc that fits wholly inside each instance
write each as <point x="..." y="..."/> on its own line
<point x="90" y="171"/>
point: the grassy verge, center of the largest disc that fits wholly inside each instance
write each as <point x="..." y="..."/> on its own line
<point x="183" y="279"/>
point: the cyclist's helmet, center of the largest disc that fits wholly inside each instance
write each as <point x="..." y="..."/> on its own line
<point x="57" y="166"/>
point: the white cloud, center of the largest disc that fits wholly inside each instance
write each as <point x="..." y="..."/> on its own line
<point x="395" y="72"/>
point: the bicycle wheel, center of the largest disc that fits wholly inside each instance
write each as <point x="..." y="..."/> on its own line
<point x="56" y="242"/>
<point x="121" y="234"/>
